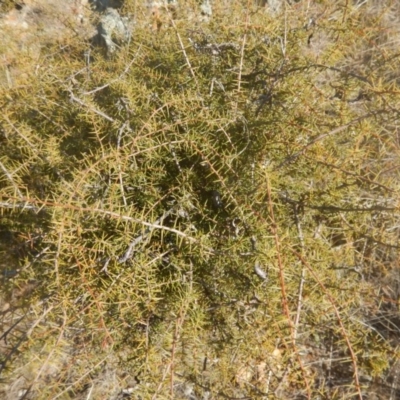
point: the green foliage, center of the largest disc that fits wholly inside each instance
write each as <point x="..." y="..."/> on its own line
<point x="110" y="176"/>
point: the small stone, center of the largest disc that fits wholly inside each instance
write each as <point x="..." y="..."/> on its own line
<point x="260" y="272"/>
<point x="216" y="199"/>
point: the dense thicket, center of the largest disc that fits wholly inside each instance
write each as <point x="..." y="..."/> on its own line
<point x="211" y="212"/>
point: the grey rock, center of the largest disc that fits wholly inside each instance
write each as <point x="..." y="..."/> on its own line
<point x="206" y="10"/>
<point x="101" y="5"/>
<point x="113" y="30"/>
<point x="260" y="272"/>
<point x="216" y="199"/>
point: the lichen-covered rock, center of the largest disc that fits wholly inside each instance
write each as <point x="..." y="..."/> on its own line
<point x="205" y="10"/>
<point x="113" y="30"/>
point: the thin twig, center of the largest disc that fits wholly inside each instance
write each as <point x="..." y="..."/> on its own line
<point x="10" y="178"/>
<point x="303" y="274"/>
<point x="4" y="335"/>
<point x="339" y="319"/>
<point x="330" y="133"/>
<point x="285" y="304"/>
<point x="19" y="205"/>
<point x="20" y="134"/>
<point x="140" y="238"/>
<point x="241" y="59"/>
<point x="55" y="347"/>
<point x="124" y="72"/>
<point x="81" y="378"/>
<point x="32" y="146"/>
<point x="182" y="47"/>
<point x="117" y="216"/>
<point x="8" y="357"/>
<point x="95" y="110"/>
<point x="171" y="148"/>
<point x="242" y="56"/>
<point x="57" y="255"/>
<point x="120" y="173"/>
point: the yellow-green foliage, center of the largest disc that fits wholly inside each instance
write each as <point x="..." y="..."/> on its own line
<point x="109" y="174"/>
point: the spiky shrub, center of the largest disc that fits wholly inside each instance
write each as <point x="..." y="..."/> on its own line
<point x="141" y="192"/>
